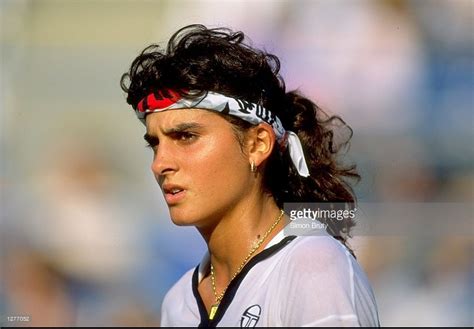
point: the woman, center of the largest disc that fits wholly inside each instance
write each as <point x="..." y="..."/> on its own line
<point x="230" y="147"/>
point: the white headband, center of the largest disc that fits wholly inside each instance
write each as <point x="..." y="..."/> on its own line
<point x="170" y="100"/>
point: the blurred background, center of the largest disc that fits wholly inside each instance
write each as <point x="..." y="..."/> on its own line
<point x="85" y="236"/>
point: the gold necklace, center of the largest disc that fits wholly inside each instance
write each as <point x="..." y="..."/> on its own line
<point x="218" y="298"/>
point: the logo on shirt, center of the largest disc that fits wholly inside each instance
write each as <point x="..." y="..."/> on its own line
<point x="251" y="316"/>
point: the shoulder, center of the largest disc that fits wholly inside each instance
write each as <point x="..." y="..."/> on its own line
<point x="320" y="264"/>
<point x="322" y="283"/>
<point x="318" y="254"/>
<point x="179" y="306"/>
<point x="177" y="292"/>
<point x="316" y="269"/>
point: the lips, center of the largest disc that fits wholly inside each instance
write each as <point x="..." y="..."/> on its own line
<point x="172" y="189"/>
<point x="173" y="193"/>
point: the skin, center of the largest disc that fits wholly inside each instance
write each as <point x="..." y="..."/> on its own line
<point x="199" y="151"/>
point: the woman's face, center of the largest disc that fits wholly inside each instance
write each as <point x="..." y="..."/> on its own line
<point x="198" y="163"/>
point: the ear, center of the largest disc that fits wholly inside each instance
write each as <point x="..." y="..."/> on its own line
<point x="260" y="143"/>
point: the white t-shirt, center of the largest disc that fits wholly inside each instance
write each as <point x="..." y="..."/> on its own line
<point x="295" y="281"/>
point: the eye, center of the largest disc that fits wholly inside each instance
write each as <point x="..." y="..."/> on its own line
<point x="185" y="136"/>
<point x="151" y="141"/>
<point x="151" y="144"/>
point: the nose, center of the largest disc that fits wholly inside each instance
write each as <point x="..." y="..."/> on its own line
<point x="163" y="161"/>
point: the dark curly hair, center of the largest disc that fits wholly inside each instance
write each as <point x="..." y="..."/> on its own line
<point x="201" y="59"/>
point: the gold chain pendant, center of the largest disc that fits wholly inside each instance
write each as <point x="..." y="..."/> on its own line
<point x="213" y="311"/>
<point x="255" y="246"/>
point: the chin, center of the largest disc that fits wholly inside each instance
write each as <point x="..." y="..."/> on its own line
<point x="181" y="218"/>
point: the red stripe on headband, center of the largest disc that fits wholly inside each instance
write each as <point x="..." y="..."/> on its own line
<point x="158" y="100"/>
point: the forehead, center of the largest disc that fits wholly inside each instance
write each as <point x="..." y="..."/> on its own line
<point x="170" y="118"/>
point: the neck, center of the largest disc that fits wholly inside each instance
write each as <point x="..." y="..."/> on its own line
<point x="234" y="235"/>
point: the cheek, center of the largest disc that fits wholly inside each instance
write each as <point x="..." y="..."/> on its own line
<point x="221" y="166"/>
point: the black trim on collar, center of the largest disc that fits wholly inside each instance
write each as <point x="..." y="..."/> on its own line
<point x="197" y="296"/>
<point x="233" y="286"/>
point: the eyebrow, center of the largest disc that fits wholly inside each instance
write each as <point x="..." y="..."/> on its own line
<point x="151" y="139"/>
<point x="183" y="127"/>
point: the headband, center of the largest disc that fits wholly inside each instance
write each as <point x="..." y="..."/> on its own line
<point x="167" y="99"/>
